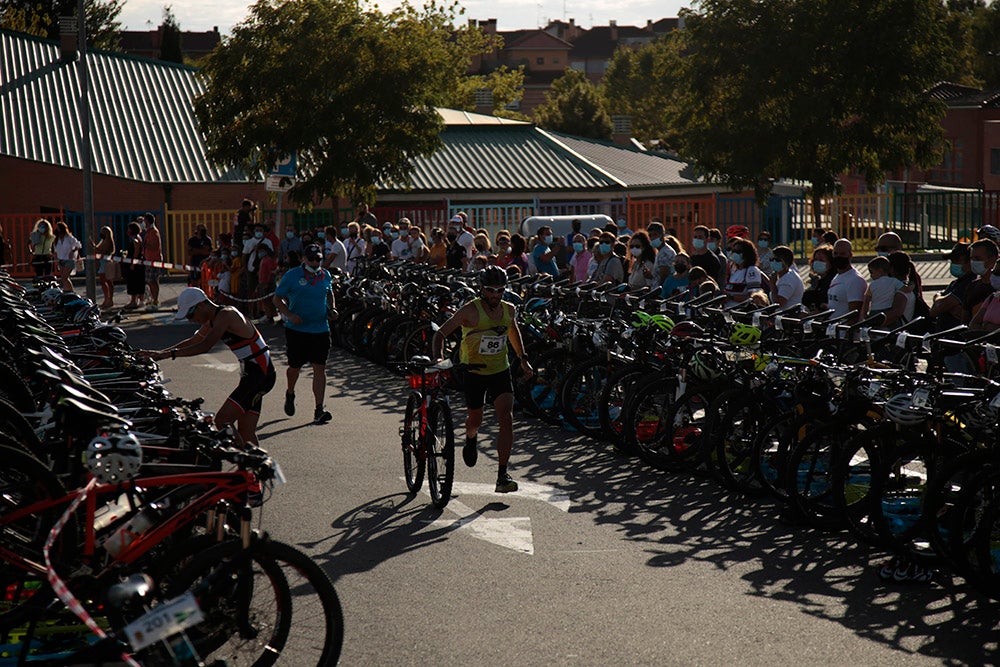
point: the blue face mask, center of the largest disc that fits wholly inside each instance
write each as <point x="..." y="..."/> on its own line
<point x="882" y="253"/>
<point x="777" y="265"/>
<point x="577" y="247"/>
<point x="622" y="224"/>
<point x="763" y="243"/>
<point x="290" y="235"/>
<point x="321" y="235"/>
<point x="713" y="246"/>
<point x="698" y="243"/>
<point x="737" y="258"/>
<point x="258" y="235"/>
<point x="956" y="270"/>
<point x="344" y="231"/>
<point x="815" y="241"/>
<point x="395" y="235"/>
<point x="819" y="266"/>
<point x="979" y="268"/>
<point x="656" y="243"/>
<point x="605" y="248"/>
<point x="548" y="239"/>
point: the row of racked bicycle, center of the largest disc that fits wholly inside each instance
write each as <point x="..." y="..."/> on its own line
<point x="129" y="525"/>
<point x="847" y="425"/>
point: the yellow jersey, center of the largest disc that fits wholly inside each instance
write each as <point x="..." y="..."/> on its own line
<point x="486" y="343"/>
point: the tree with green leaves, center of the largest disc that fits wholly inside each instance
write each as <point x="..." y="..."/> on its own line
<point x="41" y="19"/>
<point x="636" y="84"/>
<point x="807" y="89"/>
<point x="575" y="106"/>
<point x="350" y="90"/>
<point x="171" y="48"/>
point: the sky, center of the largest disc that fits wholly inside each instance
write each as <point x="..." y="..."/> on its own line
<point x="203" y="15"/>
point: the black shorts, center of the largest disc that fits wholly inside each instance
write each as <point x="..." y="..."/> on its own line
<point x="482" y="388"/>
<point x="306" y="348"/>
<point x="254" y="383"/>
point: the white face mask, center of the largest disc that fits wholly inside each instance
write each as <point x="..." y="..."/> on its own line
<point x="995" y="281"/>
<point x="635" y="251"/>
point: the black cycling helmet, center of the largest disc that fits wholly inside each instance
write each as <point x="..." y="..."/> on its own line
<point x="493" y="276"/>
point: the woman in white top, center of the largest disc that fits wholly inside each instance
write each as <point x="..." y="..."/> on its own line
<point x="745" y="277"/>
<point x="787" y="288"/>
<point x="66" y="249"/>
<point x="642" y="259"/>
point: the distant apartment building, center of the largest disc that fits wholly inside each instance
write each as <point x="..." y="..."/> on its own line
<point x="149" y="43"/>
<point x="546" y="53"/>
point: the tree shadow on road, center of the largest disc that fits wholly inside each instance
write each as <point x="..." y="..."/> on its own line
<point x="678" y="517"/>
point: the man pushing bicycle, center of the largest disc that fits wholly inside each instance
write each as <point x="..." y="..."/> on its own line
<point x="488" y="324"/>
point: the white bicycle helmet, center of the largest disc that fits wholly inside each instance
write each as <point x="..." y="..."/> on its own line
<point x="900" y="410"/>
<point x="114" y="458"/>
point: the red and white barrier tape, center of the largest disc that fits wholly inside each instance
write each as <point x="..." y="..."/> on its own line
<point x="239" y="300"/>
<point x="59" y="586"/>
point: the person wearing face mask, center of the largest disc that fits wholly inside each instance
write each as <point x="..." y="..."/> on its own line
<point x="291" y="243"/>
<point x="543" y="254"/>
<point x="663" y="265"/>
<point x="580" y="262"/>
<point x="787" y="287"/>
<point x="152" y="251"/>
<point x="334" y="252"/>
<point x="623" y="229"/>
<point x="983" y="259"/>
<point x="888" y="243"/>
<point x="305" y="300"/>
<point x="355" y="246"/>
<point x="820" y="276"/>
<point x="764" y="252"/>
<point x="641" y="261"/>
<point x="746" y="276"/>
<point x="987" y="317"/>
<point x="576" y="229"/>
<point x="400" y="248"/>
<point x="199" y="247"/>
<point x="464" y="239"/>
<point x="502" y="255"/>
<point x="378" y="248"/>
<point x="518" y="257"/>
<point x="437" y="253"/>
<point x="680" y="279"/>
<point x="609" y="267"/>
<point x="848" y="287"/>
<point x="700" y="253"/>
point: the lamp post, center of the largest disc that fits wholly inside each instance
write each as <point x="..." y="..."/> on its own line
<point x="89" y="223"/>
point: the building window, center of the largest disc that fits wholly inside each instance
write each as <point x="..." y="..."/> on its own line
<point x="555" y="61"/>
<point x="950" y="170"/>
<point x="540" y="61"/>
<point x="621" y="124"/>
<point x="995" y="161"/>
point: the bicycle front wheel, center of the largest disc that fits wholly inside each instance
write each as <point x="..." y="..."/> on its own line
<point x="268" y="604"/>
<point x="440" y="453"/>
<point x="413" y="459"/>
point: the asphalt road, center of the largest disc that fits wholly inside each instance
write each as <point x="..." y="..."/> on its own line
<point x="598" y="560"/>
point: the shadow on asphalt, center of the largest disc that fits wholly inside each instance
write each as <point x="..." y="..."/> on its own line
<point x="678" y="518"/>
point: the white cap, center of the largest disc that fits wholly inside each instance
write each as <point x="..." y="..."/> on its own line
<point x="457" y="218"/>
<point x="188" y="299"/>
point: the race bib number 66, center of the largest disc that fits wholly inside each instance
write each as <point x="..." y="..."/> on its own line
<point x="492" y="345"/>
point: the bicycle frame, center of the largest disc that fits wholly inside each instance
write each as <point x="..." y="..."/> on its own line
<point x="223" y="486"/>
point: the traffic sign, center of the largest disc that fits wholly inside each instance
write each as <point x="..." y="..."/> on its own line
<point x="285" y="167"/>
<point x="278" y="183"/>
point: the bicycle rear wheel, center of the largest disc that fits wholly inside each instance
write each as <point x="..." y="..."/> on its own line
<point x="413" y="459"/>
<point x="440" y="453"/>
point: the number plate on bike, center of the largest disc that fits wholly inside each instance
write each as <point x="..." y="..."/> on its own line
<point x="164" y="621"/>
<point x="920" y="397"/>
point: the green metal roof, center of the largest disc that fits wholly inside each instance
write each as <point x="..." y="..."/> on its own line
<point x="142" y="119"/>
<point x="523" y="158"/>
<point x="143" y="128"/>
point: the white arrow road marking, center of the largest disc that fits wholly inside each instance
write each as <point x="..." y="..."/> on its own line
<point x="508" y="532"/>
<point x="221" y="366"/>
<point x="533" y="490"/>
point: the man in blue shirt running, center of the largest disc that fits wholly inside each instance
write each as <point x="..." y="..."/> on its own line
<point x="304" y="297"/>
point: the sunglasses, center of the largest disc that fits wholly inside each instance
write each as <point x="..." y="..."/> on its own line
<point x="190" y="312"/>
<point x="313" y="258"/>
<point x="493" y="290"/>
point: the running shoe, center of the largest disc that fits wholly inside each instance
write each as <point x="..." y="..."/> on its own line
<point x="505" y="484"/>
<point x="321" y="416"/>
<point x="470" y="453"/>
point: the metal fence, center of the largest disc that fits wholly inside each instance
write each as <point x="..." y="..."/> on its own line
<point x="924" y="220"/>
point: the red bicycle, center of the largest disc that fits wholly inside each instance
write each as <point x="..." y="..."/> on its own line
<point x="427" y="434"/>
